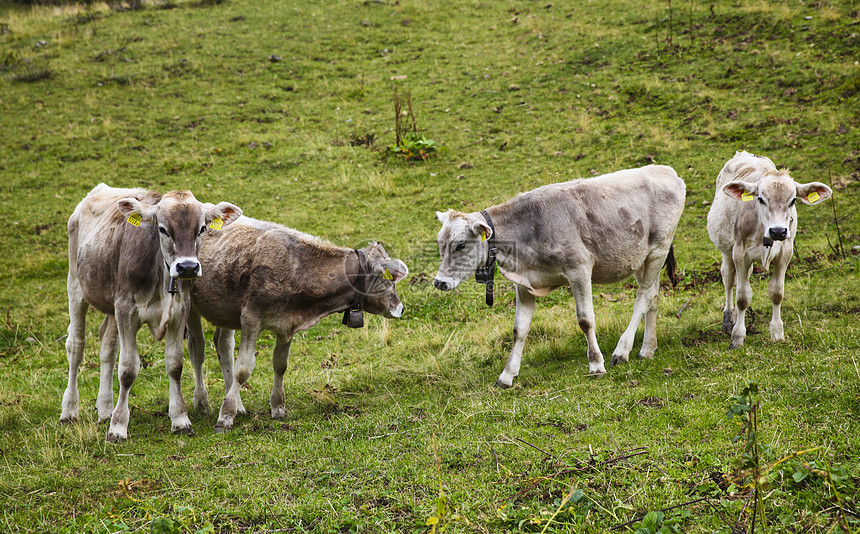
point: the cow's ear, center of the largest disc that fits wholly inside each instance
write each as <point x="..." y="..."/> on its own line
<point x="132" y="206"/>
<point x="481" y="228"/>
<point x="739" y="190"/>
<point x="443" y="216"/>
<point x="813" y="193"/>
<point x="394" y="270"/>
<point x="228" y="213"/>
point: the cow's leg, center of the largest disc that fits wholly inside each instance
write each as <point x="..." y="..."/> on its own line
<point x="648" y="280"/>
<point x="244" y="366"/>
<point x="652" y="298"/>
<point x="197" y="355"/>
<point x="522" y="323"/>
<point x="108" y="339"/>
<point x="179" y="421"/>
<point x="75" y="343"/>
<point x="225" y="345"/>
<point x="279" y="362"/>
<point x="743" y="297"/>
<point x="580" y="286"/>
<point x="129" y="366"/>
<point x="776" y="291"/>
<point x="727" y="270"/>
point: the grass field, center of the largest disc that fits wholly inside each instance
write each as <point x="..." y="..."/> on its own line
<point x="397" y="427"/>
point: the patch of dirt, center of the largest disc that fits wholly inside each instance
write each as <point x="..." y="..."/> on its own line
<point x="713" y="336"/>
<point x="654" y="402"/>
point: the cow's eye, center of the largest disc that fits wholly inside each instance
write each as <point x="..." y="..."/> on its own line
<point x="790" y="204"/>
<point x="459" y="247"/>
<point x="761" y="201"/>
<point x="163" y="230"/>
<point x="202" y="229"/>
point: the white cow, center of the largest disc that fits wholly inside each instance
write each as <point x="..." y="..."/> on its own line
<point x="576" y="233"/>
<point x="754" y="219"/>
<point x="132" y="256"/>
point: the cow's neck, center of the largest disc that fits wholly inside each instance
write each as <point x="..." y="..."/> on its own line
<point x="501" y="225"/>
<point x="342" y="291"/>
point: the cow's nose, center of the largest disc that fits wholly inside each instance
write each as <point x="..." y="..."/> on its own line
<point x="442" y="285"/>
<point x="188" y="269"/>
<point x="778" y="233"/>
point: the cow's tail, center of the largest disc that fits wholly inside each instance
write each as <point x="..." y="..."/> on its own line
<point x="672" y="266"/>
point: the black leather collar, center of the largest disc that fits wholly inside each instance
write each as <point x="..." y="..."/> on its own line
<point x="353" y="317"/>
<point x="485" y="274"/>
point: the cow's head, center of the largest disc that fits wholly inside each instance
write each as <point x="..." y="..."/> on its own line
<point x="181" y="221"/>
<point x="462" y="247"/>
<point x="379" y="283"/>
<point x="775" y="196"/>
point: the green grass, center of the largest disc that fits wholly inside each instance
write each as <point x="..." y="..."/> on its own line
<point x="385" y="420"/>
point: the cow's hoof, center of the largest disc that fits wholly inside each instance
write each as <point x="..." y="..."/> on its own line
<point x="617" y="359"/>
<point x="202" y="409"/>
<point x="222" y="428"/>
<point x="501" y="385"/>
<point x="67" y="420"/>
<point x="736" y="343"/>
<point x="183" y="431"/>
<point x="115" y="438"/>
<point x="279" y="414"/>
<point x="646" y="356"/>
<point x="598" y="373"/>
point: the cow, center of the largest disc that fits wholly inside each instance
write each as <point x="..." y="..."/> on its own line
<point x="133" y="257"/>
<point x="597" y="230"/>
<point x="754" y="219"/>
<point x="264" y="276"/>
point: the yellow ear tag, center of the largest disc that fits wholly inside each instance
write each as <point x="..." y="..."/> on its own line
<point x="746" y="197"/>
<point x="387" y="274"/>
<point x="484" y="236"/>
<point x="216" y="224"/>
<point x="134" y="219"/>
<point x="812" y="197"/>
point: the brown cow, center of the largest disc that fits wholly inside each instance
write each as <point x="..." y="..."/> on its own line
<point x="132" y="256"/>
<point x="264" y="276"/>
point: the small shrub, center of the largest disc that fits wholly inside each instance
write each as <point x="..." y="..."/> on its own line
<point x="409" y="145"/>
<point x="414" y="147"/>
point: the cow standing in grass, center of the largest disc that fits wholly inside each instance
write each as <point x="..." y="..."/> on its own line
<point x="576" y="233"/>
<point x="133" y="256"/>
<point x="754" y="219"/>
<point x="264" y="276"/>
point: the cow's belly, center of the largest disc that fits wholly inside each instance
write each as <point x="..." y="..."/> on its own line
<point x="221" y="315"/>
<point x="538" y="283"/>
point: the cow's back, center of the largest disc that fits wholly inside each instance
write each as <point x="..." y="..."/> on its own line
<point x="104" y="249"/>
<point x="612" y="222"/>
<point x="260" y="265"/>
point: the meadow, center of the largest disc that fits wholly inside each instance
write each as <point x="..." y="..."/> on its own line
<point x="287" y="110"/>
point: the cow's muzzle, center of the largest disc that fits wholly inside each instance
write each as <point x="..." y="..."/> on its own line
<point x="442" y="285"/>
<point x="778" y="233"/>
<point x="187" y="269"/>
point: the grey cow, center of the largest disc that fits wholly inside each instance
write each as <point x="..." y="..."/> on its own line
<point x="754" y="219"/>
<point x="598" y="230"/>
<point x="265" y="276"/>
<point x="132" y="255"/>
